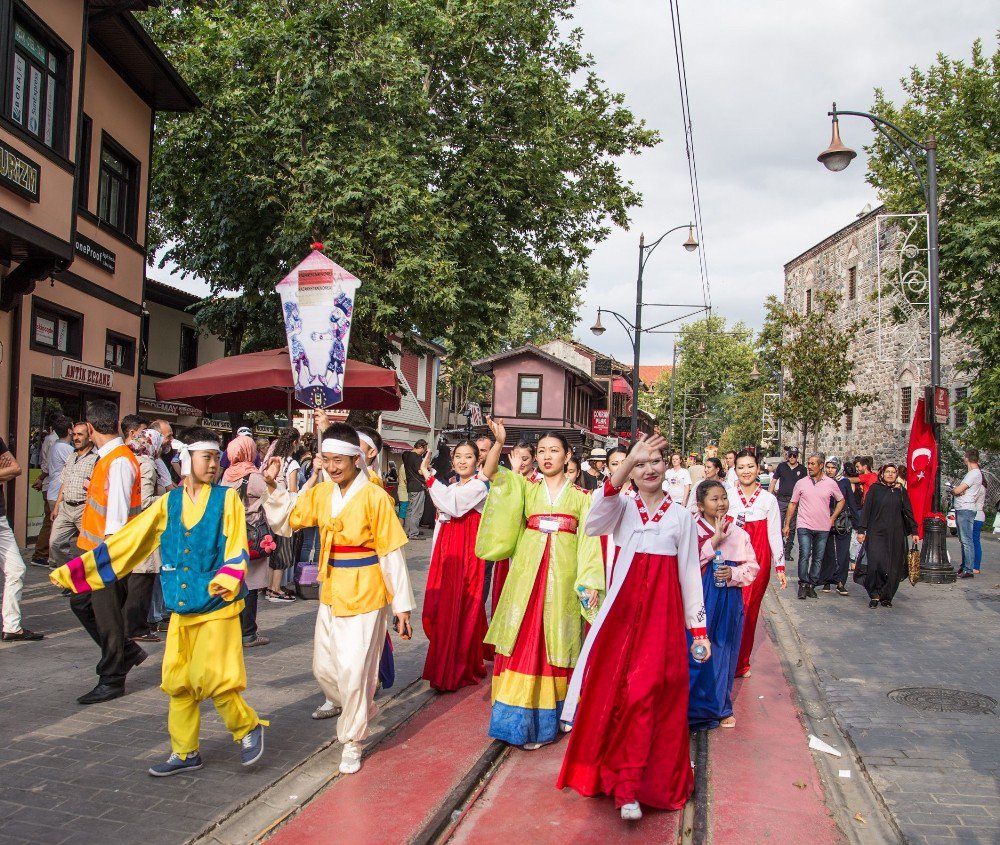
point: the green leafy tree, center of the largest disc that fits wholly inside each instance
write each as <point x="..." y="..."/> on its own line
<point x="957" y="102"/>
<point x="816" y="356"/>
<point x="453" y="154"/>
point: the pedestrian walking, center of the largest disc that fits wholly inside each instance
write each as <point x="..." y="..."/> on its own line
<point x="364" y="574"/>
<point x="628" y="701"/>
<point x="67" y="515"/>
<point x="416" y="490"/>
<point x="286" y="552"/>
<point x="454" y="614"/>
<point x="146" y="446"/>
<point x="696" y="470"/>
<point x="837" y="556"/>
<point x="200" y="532"/>
<point x="598" y="466"/>
<point x="977" y="527"/>
<point x="677" y="481"/>
<point x="713" y="472"/>
<point x="810" y="506"/>
<point x="731" y="476"/>
<point x="40" y="556"/>
<point x="243" y="475"/>
<point x="537" y="629"/>
<point x="10" y="559"/>
<point x="788" y="473"/>
<point x="967" y="495"/>
<point x="886" y="524"/>
<point x="59" y="453"/>
<point x="755" y="511"/>
<point x="728" y="563"/>
<point x="114" y="497"/>
<point x="866" y="477"/>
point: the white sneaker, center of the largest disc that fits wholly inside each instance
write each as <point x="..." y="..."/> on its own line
<point x="631" y="812"/>
<point x="350" y="758"/>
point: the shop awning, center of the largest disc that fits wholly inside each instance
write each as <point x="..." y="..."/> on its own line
<point x="620" y="385"/>
<point x="262" y="381"/>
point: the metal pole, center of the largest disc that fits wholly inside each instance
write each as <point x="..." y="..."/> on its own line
<point x="638" y="340"/>
<point x="935" y="293"/>
<point x="673" y="385"/>
<point x="684" y="425"/>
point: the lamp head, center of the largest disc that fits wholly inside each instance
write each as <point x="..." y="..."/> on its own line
<point x="755" y="373"/>
<point x="691" y="244"/>
<point x="836" y="157"/>
<point x="598" y="327"/>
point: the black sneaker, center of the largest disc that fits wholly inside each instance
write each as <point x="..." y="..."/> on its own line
<point x="826" y="588"/>
<point x="842" y="590"/>
<point x="811" y="591"/>
<point x="803" y="591"/>
<point x="24" y="635"/>
<point x="40" y="561"/>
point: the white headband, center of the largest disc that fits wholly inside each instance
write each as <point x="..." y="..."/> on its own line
<point x="186" y="450"/>
<point x="364" y="438"/>
<point x="332" y="446"/>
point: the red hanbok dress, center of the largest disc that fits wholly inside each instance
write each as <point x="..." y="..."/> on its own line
<point x="759" y="516"/>
<point x="628" y="700"/>
<point x="454" y="615"/>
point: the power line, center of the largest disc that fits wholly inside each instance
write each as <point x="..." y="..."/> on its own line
<point x="682" y="84"/>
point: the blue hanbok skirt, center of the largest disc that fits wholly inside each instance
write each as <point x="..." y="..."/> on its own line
<point x="710" y="696"/>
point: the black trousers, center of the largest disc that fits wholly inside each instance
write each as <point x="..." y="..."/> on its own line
<point x="783" y="509"/>
<point x="137" y="602"/>
<point x="248" y="616"/>
<point x="836" y="559"/>
<point x="101" y="615"/>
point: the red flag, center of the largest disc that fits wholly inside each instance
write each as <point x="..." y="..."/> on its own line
<point x="922" y="466"/>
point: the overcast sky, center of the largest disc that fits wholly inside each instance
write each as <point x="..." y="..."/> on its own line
<point x="761" y="77"/>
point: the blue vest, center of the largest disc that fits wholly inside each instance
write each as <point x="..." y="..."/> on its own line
<point x="192" y="556"/>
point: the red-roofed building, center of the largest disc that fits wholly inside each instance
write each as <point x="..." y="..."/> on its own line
<point x="649" y="374"/>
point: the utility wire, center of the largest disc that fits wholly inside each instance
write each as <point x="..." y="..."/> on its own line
<point x="682" y="84"/>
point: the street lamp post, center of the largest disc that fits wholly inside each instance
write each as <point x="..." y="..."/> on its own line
<point x="836" y="157"/>
<point x="634" y="330"/>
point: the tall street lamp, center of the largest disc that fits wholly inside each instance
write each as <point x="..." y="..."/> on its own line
<point x="635" y="330"/>
<point x="836" y="157"/>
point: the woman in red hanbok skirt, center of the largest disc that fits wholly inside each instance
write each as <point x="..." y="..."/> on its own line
<point x="628" y="700"/>
<point x="454" y="616"/>
<point x="755" y="510"/>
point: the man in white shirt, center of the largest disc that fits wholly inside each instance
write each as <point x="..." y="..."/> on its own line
<point x="731" y="479"/>
<point x="966" y="495"/>
<point x="61" y="451"/>
<point x="41" y="553"/>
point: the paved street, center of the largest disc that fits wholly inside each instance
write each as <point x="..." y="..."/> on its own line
<point x="75" y="774"/>
<point x="937" y="769"/>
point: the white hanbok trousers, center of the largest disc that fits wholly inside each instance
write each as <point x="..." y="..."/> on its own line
<point x="346" y="654"/>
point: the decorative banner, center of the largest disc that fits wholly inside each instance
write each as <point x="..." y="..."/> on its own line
<point x="317" y="301"/>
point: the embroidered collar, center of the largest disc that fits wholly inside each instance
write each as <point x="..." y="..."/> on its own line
<point x="644" y="513"/>
<point x="748" y="505"/>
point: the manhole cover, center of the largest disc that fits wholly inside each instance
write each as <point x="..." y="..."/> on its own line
<point x="937" y="700"/>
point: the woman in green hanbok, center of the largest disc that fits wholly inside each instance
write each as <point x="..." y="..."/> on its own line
<point x="556" y="579"/>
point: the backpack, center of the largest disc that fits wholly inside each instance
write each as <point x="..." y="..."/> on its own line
<point x="260" y="542"/>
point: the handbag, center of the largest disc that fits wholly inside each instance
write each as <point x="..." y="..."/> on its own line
<point x="914" y="564"/>
<point x="842" y="524"/>
<point x="861" y="566"/>
<point x="260" y="542"/>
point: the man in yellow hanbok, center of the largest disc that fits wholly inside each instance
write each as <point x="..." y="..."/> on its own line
<point x="362" y="572"/>
<point x="200" y="530"/>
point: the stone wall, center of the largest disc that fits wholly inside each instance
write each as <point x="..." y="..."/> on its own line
<point x="884" y="361"/>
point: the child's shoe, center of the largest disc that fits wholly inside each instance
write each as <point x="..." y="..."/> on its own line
<point x="175" y="765"/>
<point x="252" y="746"/>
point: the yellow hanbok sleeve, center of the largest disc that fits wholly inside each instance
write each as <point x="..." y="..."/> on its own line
<point x="287" y="513"/>
<point x="385" y="526"/>
<point x="230" y="577"/>
<point x="503" y="516"/>
<point x="118" y="555"/>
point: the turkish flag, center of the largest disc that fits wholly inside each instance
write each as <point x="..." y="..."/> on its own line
<point x="922" y="466"/>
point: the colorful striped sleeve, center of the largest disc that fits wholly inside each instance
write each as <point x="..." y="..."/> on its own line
<point x="230" y="577"/>
<point x="118" y="555"/>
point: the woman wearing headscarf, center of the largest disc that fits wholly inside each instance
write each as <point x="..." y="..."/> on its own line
<point x="146" y="445"/>
<point x="837" y="558"/>
<point x="887" y="524"/>
<point x="243" y="474"/>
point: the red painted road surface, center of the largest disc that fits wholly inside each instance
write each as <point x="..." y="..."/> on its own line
<point x="755" y="766"/>
<point x="403" y="782"/>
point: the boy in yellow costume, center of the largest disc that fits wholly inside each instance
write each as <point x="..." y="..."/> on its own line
<point x="200" y="530"/>
<point x="363" y="574"/>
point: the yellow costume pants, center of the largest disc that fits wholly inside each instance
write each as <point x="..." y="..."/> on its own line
<point x="204" y="659"/>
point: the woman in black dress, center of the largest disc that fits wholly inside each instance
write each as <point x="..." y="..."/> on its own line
<point x="887" y="524"/>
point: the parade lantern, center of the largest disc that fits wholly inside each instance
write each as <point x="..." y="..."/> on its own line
<point x="317" y="304"/>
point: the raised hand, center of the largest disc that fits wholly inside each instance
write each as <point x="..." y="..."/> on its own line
<point x="321" y="419"/>
<point x="498" y="430"/>
<point x="425" y="466"/>
<point x="271" y="471"/>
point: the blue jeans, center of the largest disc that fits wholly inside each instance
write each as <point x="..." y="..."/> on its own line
<point x="977" y="542"/>
<point x="812" y="546"/>
<point x="964" y="521"/>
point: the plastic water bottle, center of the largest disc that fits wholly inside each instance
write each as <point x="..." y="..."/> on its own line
<point x="717" y="564"/>
<point x="700" y="653"/>
<point x="582" y="591"/>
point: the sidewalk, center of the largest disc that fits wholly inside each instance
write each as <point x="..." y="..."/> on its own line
<point x="915" y="688"/>
<point x="74" y="774"/>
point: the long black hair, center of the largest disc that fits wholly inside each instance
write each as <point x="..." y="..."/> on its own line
<point x="285" y="445"/>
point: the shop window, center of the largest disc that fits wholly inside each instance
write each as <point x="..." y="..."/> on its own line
<point x="961" y="418"/>
<point x="118" y="189"/>
<point x="83" y="167"/>
<point x="189" y="349"/>
<point x="119" y="353"/>
<point x="37" y="97"/>
<point x="905" y="405"/>
<point x="56" y="330"/>
<point x="529" y="396"/>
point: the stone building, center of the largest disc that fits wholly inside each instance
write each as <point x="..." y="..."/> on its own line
<point x="891" y="358"/>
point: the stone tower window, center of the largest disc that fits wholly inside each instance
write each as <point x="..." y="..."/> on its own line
<point x="905" y="405"/>
<point x="960" y="416"/>
<point x="852" y="282"/>
<point x="809" y="301"/>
